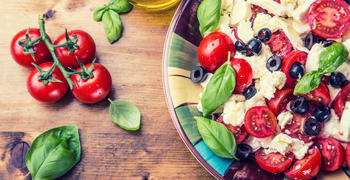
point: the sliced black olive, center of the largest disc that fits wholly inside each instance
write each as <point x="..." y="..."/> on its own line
<point x="347" y="2"/>
<point x="243" y="151"/>
<point x="241" y="47"/>
<point x="198" y="74"/>
<point x="296" y="70"/>
<point x="328" y="43"/>
<point x="255" y="46"/>
<point x="264" y="35"/>
<point x="274" y="63"/>
<point x="249" y="92"/>
<point x="300" y="105"/>
<point x="312" y="127"/>
<point x="322" y="113"/>
<point x="249" y="53"/>
<point x="338" y="80"/>
<point x="312" y="39"/>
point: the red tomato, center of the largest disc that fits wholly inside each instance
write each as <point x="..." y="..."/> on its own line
<point x="53" y="91"/>
<point x="238" y="131"/>
<point x="294" y="56"/>
<point x="342" y="97"/>
<point x="280" y="44"/>
<point x="260" y="122"/>
<point x="244" y="75"/>
<point x="347" y="155"/>
<point x="273" y="162"/>
<point x="332" y="153"/>
<point x="307" y="167"/>
<point x="329" y="18"/>
<point x="94" y="89"/>
<point x="213" y="50"/>
<point x="320" y="95"/>
<point x="295" y="129"/>
<point x="280" y="101"/>
<point x="41" y="52"/>
<point x="86" y="51"/>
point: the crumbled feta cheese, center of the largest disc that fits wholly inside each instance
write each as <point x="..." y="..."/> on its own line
<point x="290" y="5"/>
<point x="245" y="31"/>
<point x="206" y="81"/>
<point x="345" y="121"/>
<point x="257" y="100"/>
<point x="271" y="6"/>
<point x="313" y="57"/>
<point x="299" y="13"/>
<point x="257" y="143"/>
<point x="284" y="118"/>
<point x="234" y="110"/>
<point x="225" y="27"/>
<point x="269" y="82"/>
<point x="227" y="5"/>
<point x="261" y="21"/>
<point x="241" y="11"/>
<point x="332" y="128"/>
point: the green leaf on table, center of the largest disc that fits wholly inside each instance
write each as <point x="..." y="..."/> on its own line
<point x="216" y="136"/>
<point x="98" y="13"/>
<point x="113" y="25"/>
<point x="54" y="153"/>
<point x="208" y="15"/>
<point x="120" y="6"/>
<point x="125" y="114"/>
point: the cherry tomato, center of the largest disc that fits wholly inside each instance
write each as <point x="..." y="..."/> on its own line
<point x="294" y="56"/>
<point x="260" y="122"/>
<point x="320" y="95"/>
<point x="41" y="52"/>
<point x="307" y="167"/>
<point x="332" y="153"/>
<point x="244" y="75"/>
<point x="94" y="89"/>
<point x="280" y="44"/>
<point x="53" y="91"/>
<point x="213" y="50"/>
<point x="342" y="97"/>
<point x="86" y="51"/>
<point x="295" y="129"/>
<point x="280" y="101"/>
<point x="329" y="18"/>
<point x="273" y="162"/>
<point x="238" y="131"/>
<point x="347" y="155"/>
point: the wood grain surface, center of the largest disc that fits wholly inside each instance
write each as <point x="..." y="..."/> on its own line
<point x="135" y="63"/>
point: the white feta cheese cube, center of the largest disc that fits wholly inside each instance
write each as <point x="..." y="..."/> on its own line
<point x="284" y="118"/>
<point x="245" y="31"/>
<point x="313" y="57"/>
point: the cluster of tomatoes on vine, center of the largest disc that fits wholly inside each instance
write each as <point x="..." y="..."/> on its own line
<point x="68" y="63"/>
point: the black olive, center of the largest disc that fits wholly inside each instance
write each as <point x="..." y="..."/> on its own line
<point x="328" y="43"/>
<point x="241" y="47"/>
<point x="338" y="80"/>
<point x="312" y="127"/>
<point x="296" y="71"/>
<point x="347" y="2"/>
<point x="300" y="105"/>
<point x="243" y="151"/>
<point x="322" y="113"/>
<point x="312" y="39"/>
<point x="255" y="46"/>
<point x="249" y="53"/>
<point x="198" y="74"/>
<point x="274" y="63"/>
<point x="249" y="92"/>
<point x="264" y="35"/>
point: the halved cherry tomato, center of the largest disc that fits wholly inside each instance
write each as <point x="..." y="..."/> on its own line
<point x="238" y="131"/>
<point x="329" y="18"/>
<point x="295" y="129"/>
<point x="294" y="56"/>
<point x="280" y="44"/>
<point x="260" y="122"/>
<point x="320" y="95"/>
<point x="347" y="155"/>
<point x="244" y="75"/>
<point x="332" y="153"/>
<point x="213" y="50"/>
<point x="280" y="101"/>
<point x="273" y="162"/>
<point x="340" y="100"/>
<point x="307" y="167"/>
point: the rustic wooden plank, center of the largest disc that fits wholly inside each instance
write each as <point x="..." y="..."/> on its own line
<point x="135" y="63"/>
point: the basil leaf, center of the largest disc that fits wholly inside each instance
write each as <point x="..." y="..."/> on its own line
<point x="120" y="6"/>
<point x="54" y="152"/>
<point x="332" y="57"/>
<point x="216" y="136"/>
<point x="113" y="25"/>
<point x="308" y="82"/>
<point x="125" y="114"/>
<point x="98" y="13"/>
<point x="219" y="88"/>
<point x="208" y="15"/>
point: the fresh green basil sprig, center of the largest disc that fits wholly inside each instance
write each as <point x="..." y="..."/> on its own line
<point x="125" y="114"/>
<point x="330" y="59"/>
<point x="208" y="15"/>
<point x="216" y="136"/>
<point x="109" y="14"/>
<point x="219" y="88"/>
<point x="54" y="153"/>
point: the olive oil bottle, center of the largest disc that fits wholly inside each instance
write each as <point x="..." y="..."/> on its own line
<point x="154" y="5"/>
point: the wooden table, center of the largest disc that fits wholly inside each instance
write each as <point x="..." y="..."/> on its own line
<point x="135" y="63"/>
